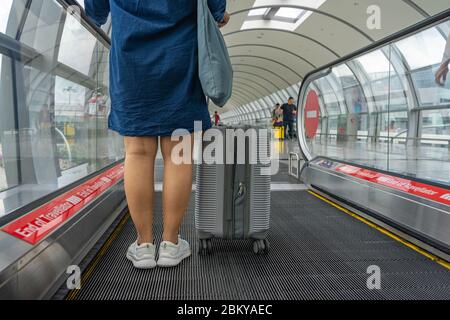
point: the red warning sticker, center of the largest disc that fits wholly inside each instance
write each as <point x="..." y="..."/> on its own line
<point x="36" y="225"/>
<point x="422" y="190"/>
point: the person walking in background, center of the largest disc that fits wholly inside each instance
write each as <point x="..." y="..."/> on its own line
<point x="216" y="118"/>
<point x="277" y="122"/>
<point x="294" y="123"/>
<point x="44" y="121"/>
<point x="155" y="89"/>
<point x="277" y="116"/>
<point x="441" y="74"/>
<point x="289" y="110"/>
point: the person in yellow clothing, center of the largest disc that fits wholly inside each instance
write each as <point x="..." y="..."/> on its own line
<point x="277" y="121"/>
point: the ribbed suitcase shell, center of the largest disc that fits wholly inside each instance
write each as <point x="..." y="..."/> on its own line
<point x="214" y="195"/>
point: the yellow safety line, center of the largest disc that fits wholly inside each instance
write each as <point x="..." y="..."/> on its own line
<point x="86" y="275"/>
<point x="410" y="245"/>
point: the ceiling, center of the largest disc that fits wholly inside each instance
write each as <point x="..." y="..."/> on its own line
<point x="266" y="60"/>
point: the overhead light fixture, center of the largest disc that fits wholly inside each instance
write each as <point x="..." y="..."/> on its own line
<point x="279" y="16"/>
<point x="283" y="14"/>
<point x="289" y="13"/>
<point x="258" y="12"/>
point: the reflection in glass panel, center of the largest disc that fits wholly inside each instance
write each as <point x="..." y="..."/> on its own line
<point x="71" y="119"/>
<point x="430" y="90"/>
<point x="354" y="125"/>
<point x="353" y="93"/>
<point x="5" y="11"/>
<point x="422" y="49"/>
<point x="434" y="145"/>
<point x="328" y="95"/>
<point x="394" y="126"/>
<point x="8" y="154"/>
<point x="3" y="183"/>
<point x="429" y="93"/>
<point x="376" y="67"/>
<point x="436" y="127"/>
<point x="77" y="46"/>
<point x="345" y="75"/>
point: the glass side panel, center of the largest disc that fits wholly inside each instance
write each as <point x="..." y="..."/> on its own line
<point x="77" y="46"/>
<point x="5" y="12"/>
<point x="430" y="94"/>
<point x="422" y="49"/>
<point x="54" y="107"/>
<point x="387" y="109"/>
<point x="72" y="109"/>
<point x="8" y="148"/>
<point x="434" y="147"/>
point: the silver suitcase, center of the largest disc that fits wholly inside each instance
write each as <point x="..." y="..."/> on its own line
<point x="232" y="201"/>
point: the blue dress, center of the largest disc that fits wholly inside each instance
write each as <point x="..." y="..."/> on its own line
<point x="154" y="82"/>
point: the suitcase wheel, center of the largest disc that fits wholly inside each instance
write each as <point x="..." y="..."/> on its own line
<point x="204" y="246"/>
<point x="266" y="246"/>
<point x="261" y="246"/>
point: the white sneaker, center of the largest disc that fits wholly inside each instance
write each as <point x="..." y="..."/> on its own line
<point x="171" y="255"/>
<point x="142" y="256"/>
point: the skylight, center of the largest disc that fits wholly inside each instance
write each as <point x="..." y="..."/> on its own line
<point x="284" y="16"/>
<point x="289" y="13"/>
<point x="258" y="12"/>
<point x="276" y="14"/>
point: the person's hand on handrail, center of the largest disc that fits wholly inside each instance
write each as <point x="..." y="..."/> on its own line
<point x="441" y="74"/>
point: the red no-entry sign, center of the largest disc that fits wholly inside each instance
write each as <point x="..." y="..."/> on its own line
<point x="312" y="114"/>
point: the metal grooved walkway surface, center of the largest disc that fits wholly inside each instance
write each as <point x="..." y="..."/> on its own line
<point x="317" y="252"/>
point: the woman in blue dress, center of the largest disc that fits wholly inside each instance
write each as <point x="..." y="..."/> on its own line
<point x="155" y="89"/>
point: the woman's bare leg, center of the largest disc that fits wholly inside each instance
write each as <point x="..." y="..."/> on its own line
<point x="139" y="183"/>
<point x="176" y="191"/>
